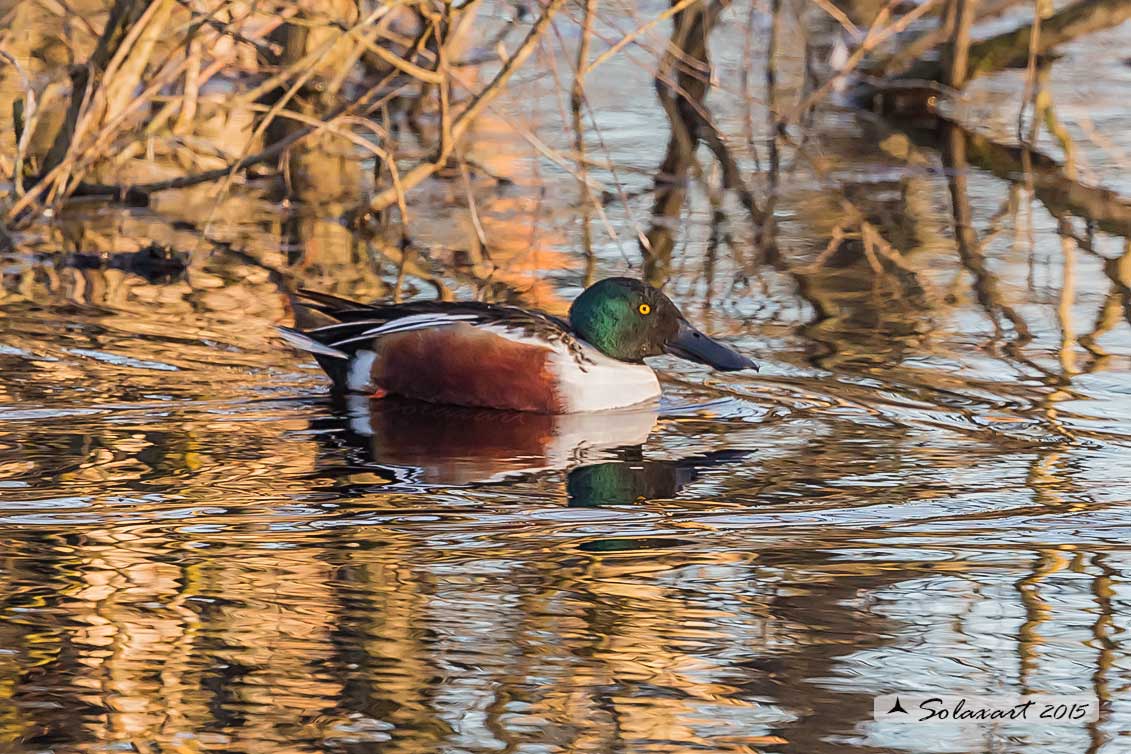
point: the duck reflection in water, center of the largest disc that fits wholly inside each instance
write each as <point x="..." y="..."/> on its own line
<point x="415" y="444"/>
<point x="634" y="479"/>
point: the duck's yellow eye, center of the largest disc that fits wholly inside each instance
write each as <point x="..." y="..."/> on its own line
<point x="644" y="309"/>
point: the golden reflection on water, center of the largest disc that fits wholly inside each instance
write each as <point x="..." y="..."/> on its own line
<point x="206" y="555"/>
<point x="378" y="639"/>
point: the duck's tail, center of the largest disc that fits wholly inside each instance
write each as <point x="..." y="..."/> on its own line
<point x="335" y="363"/>
<point x="304" y="342"/>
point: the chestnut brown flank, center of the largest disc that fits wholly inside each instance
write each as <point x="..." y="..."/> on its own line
<point x="467" y="366"/>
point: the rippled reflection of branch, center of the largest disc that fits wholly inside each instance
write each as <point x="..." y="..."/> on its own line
<point x="970" y="248"/>
<point x="879" y="32"/>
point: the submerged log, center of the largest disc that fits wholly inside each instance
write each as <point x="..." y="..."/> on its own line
<point x="1053" y="184"/>
<point x="997" y="53"/>
<point x="1054" y="187"/>
<point x="1011" y="50"/>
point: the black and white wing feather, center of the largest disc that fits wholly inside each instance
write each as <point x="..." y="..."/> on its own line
<point x="350" y="326"/>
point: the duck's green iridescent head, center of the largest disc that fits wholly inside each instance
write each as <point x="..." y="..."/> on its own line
<point x="628" y="320"/>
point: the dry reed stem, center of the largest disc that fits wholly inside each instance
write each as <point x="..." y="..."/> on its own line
<point x="64" y="10"/>
<point x="188" y="101"/>
<point x="269" y="153"/>
<point x="481" y="100"/>
<point x="119" y="83"/>
<point x="957" y="51"/>
<point x="583" y="162"/>
<point x="143" y="190"/>
<point x="440" y="26"/>
<point x="108" y="97"/>
<point x="404" y="66"/>
<point x="334" y="128"/>
<point x="576" y="101"/>
<point x="280" y="104"/>
<point x="57" y="177"/>
<point x="840" y="16"/>
<point x="1030" y="69"/>
<point x="30" y="117"/>
<point x="107" y="104"/>
<point x="307" y="63"/>
<point x="83" y="160"/>
<point x="473" y="211"/>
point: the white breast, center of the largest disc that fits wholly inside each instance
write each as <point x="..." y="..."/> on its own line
<point x="599" y="383"/>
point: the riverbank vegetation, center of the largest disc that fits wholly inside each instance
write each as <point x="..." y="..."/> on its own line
<point x="368" y="122"/>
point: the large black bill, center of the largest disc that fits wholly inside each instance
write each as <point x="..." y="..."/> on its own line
<point x="693" y="345"/>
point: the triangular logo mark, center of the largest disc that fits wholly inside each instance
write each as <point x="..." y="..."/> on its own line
<point x="897" y="707"/>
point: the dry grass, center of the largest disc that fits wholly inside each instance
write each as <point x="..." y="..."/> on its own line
<point x="127" y="101"/>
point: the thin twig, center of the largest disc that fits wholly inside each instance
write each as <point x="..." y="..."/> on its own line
<point x="877" y="35"/>
<point x="464" y="120"/>
<point x="840" y="16"/>
<point x="631" y="37"/>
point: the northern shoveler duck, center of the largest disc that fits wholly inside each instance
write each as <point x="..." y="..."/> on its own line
<point x="505" y="357"/>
